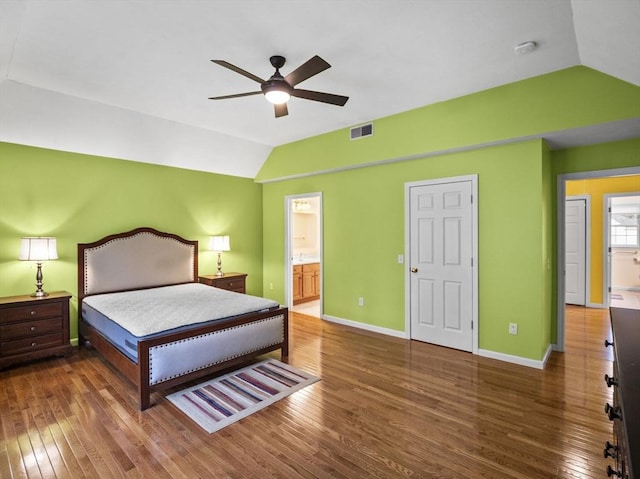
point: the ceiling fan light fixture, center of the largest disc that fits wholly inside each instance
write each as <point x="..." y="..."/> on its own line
<point x="276" y="96"/>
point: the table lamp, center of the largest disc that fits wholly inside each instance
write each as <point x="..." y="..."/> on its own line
<point x="219" y="244"/>
<point x="38" y="249"/>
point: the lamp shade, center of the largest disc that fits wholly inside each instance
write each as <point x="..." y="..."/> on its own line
<point x="38" y="249"/>
<point x="219" y="243"/>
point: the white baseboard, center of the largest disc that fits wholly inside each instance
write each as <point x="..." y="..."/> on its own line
<point x="74" y="342"/>
<point x="532" y="363"/>
<point x="366" y="327"/>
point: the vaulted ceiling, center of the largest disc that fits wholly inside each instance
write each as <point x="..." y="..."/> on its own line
<point x="131" y="79"/>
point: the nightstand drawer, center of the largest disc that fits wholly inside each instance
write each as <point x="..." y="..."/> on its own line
<point x="35" y="343"/>
<point x="232" y="284"/>
<point x="236" y="282"/>
<point x="32" y="311"/>
<point x="29" y="328"/>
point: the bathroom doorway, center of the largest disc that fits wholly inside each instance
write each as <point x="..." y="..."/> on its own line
<point x="304" y="254"/>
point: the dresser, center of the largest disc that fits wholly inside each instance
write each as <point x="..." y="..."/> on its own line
<point x="229" y="281"/>
<point x="625" y="410"/>
<point x="32" y="328"/>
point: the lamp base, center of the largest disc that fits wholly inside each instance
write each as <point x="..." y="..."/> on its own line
<point x="39" y="292"/>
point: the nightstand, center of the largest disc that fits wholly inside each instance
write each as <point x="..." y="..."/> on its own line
<point x="230" y="281"/>
<point x="32" y="328"/>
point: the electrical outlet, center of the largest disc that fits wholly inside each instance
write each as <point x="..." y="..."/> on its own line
<point x="270" y="285"/>
<point x="361" y="301"/>
<point x="513" y="328"/>
<point x="400" y="259"/>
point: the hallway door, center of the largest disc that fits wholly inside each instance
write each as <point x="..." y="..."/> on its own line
<point x="575" y="251"/>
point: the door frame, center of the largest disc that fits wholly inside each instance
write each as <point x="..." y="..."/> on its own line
<point x="606" y="241"/>
<point x="587" y="245"/>
<point x="561" y="194"/>
<point x="474" y="250"/>
<point x="288" y="246"/>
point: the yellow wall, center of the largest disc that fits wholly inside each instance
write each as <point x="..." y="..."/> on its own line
<point x="596" y="188"/>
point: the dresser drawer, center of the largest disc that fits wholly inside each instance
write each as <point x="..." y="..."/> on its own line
<point x="26" y="345"/>
<point x="31" y="311"/>
<point x="29" y="328"/>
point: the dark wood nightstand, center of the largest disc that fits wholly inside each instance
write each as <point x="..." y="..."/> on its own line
<point x="32" y="328"/>
<point x="230" y="281"/>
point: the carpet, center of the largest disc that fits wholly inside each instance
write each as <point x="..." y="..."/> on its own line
<point x="224" y="400"/>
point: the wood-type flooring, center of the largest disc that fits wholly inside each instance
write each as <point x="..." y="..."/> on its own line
<point x="385" y="408"/>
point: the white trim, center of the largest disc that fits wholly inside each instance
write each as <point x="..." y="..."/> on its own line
<point x="288" y="259"/>
<point x="560" y="200"/>
<point x="367" y="327"/>
<point x="509" y="358"/>
<point x="474" y="247"/>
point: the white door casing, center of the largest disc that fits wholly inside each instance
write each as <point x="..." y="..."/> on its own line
<point x="442" y="277"/>
<point x="575" y="252"/>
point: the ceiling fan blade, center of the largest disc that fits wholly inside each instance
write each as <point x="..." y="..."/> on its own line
<point x="239" y="70"/>
<point x="281" y="110"/>
<point x="320" y="96"/>
<point x="237" y="95"/>
<point x="312" y="67"/>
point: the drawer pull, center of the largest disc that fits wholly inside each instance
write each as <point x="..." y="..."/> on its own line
<point x="32" y="328"/>
<point x="612" y="412"/>
<point x="33" y="312"/>
<point x="612" y="472"/>
<point x="611" y="381"/>
<point x="610" y="450"/>
<point x="607" y="343"/>
<point x="34" y="344"/>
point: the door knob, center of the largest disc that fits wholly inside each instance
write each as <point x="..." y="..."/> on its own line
<point x="414" y="270"/>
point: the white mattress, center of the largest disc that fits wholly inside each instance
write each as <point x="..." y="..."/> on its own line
<point x="150" y="311"/>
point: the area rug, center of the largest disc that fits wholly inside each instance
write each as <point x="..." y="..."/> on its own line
<point x="229" y="398"/>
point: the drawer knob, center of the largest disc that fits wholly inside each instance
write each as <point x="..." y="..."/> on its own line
<point x="611" y="381"/>
<point x="612" y="412"/>
<point x="612" y="472"/>
<point x="32" y="328"/>
<point x="33" y="312"/>
<point x="34" y="344"/>
<point x="610" y="450"/>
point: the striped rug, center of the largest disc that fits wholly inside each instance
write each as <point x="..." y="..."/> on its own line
<point x="227" y="399"/>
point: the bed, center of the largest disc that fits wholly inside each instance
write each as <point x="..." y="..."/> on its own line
<point x="141" y="306"/>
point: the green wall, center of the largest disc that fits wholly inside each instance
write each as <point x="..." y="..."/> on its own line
<point x="363" y="199"/>
<point x="81" y="198"/>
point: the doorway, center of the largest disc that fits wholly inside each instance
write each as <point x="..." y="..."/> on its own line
<point x="303" y="253"/>
<point x="441" y="274"/>
<point x="561" y="238"/>
<point x="622" y="249"/>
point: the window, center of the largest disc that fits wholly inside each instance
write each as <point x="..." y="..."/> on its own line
<point x="624" y="230"/>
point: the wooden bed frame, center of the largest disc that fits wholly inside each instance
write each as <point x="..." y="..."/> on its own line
<point x="146" y="258"/>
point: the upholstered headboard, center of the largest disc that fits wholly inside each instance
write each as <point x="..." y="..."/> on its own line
<point x="137" y="259"/>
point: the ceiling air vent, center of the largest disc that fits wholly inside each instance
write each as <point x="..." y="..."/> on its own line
<point x="361" y="131"/>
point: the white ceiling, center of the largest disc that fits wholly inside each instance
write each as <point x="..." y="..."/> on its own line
<point x="144" y="66"/>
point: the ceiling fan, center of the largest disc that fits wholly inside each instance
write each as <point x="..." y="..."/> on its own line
<point x="278" y="89"/>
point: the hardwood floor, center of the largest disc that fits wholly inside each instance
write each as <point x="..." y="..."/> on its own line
<point x="384" y="408"/>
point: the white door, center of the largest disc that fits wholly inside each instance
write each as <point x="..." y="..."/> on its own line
<point x="575" y="252"/>
<point x="441" y="253"/>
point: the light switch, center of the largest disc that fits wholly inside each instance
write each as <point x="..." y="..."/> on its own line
<point x="400" y="258"/>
